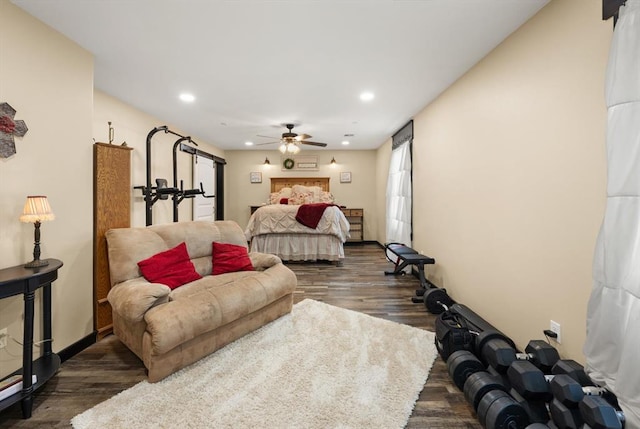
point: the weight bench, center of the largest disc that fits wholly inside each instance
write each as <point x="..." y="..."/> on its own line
<point x="407" y="256"/>
<point x="434" y="298"/>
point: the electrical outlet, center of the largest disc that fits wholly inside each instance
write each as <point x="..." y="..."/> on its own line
<point x="555" y="327"/>
<point x="3" y="338"/>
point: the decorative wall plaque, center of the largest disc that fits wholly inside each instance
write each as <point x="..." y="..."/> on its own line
<point x="300" y="163"/>
<point x="9" y="128"/>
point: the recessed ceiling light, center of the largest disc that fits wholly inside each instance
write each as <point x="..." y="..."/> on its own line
<point x="345" y="142"/>
<point x="187" y="98"/>
<point x="367" y="96"/>
<point x="248" y="143"/>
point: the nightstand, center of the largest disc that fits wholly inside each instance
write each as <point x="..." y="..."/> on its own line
<point x="356" y="220"/>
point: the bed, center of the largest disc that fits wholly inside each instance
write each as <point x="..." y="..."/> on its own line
<point x="273" y="227"/>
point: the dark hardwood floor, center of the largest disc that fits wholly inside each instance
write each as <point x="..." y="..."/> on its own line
<point x="107" y="367"/>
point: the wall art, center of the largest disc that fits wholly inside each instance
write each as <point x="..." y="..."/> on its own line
<point x="9" y="128"/>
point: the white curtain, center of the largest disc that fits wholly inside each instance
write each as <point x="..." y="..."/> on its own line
<point x="399" y="196"/>
<point x="612" y="348"/>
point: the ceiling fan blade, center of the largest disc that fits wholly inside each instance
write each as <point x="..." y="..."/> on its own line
<point x="267" y="137"/>
<point x="314" y="143"/>
<point x="301" y="137"/>
<point x="260" y="144"/>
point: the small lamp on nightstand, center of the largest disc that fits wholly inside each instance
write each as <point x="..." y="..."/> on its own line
<point x="36" y="210"/>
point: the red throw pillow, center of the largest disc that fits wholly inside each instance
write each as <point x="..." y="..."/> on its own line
<point x="171" y="267"/>
<point x="229" y="258"/>
<point x="284" y="200"/>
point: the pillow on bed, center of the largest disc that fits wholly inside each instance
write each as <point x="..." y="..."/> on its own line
<point x="305" y="194"/>
<point x="326" y="197"/>
<point x="285" y="192"/>
<point x="275" y="197"/>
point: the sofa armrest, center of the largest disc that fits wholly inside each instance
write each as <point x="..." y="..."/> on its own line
<point x="179" y="321"/>
<point x="133" y="298"/>
<point x="262" y="261"/>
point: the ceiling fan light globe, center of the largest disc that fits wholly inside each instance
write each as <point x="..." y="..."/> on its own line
<point x="282" y="148"/>
<point x="295" y="149"/>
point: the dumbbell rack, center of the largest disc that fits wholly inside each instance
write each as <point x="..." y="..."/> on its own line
<point x="517" y="393"/>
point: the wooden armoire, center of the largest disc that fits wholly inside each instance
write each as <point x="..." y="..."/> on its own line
<point x="111" y="209"/>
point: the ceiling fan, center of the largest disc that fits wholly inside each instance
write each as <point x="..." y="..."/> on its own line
<point x="290" y="141"/>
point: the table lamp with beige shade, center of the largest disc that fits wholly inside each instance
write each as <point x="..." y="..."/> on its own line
<point x="36" y="210"/>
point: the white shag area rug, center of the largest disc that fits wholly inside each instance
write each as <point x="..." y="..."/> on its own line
<point x="319" y="367"/>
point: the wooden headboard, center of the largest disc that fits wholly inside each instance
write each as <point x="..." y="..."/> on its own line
<point x="277" y="183"/>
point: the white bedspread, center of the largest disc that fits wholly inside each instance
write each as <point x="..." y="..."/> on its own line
<point x="281" y="219"/>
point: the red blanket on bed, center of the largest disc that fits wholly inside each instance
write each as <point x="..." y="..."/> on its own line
<point x="310" y="214"/>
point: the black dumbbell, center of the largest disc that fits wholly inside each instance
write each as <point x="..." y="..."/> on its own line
<point x="599" y="414"/>
<point x="529" y="381"/>
<point x="479" y="384"/>
<point x="461" y="364"/>
<point x="530" y="386"/>
<point x="499" y="354"/>
<point x="502" y="377"/>
<point x="498" y="410"/>
<point x="569" y="392"/>
<point x="573" y="369"/>
<point x="537" y="410"/>
<point x="532" y="383"/>
<point x="436" y="300"/>
<point x="565" y="417"/>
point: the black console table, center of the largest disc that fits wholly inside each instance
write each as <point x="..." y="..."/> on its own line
<point x="20" y="280"/>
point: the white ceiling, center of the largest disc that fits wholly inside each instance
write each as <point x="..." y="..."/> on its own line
<point x="253" y="65"/>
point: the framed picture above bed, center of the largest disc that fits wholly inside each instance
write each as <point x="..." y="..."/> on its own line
<point x="255" y="177"/>
<point x="345" y="177"/>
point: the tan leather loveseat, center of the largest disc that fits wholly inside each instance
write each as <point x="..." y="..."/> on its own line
<point x="170" y="329"/>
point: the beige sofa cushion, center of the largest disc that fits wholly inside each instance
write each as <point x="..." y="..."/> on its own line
<point x="214" y="303"/>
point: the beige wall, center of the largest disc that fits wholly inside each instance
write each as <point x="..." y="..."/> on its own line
<point x="360" y="193"/>
<point x="133" y="126"/>
<point x="509" y="176"/>
<point x="49" y="81"/>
